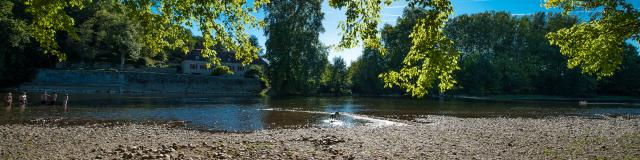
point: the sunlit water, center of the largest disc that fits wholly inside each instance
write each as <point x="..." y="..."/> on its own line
<point x="241" y="114"/>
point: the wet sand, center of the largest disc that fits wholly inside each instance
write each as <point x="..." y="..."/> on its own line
<point x="429" y="137"/>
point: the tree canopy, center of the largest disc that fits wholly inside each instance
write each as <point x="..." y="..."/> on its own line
<point x="431" y="61"/>
<point x="597" y="46"/>
<point x="161" y="21"/>
<point x="296" y="56"/>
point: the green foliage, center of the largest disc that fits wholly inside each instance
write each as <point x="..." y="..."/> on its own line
<point x="597" y="46"/>
<point x="432" y="58"/>
<point x="20" y="55"/>
<point x="221" y="71"/>
<point x="254" y="42"/>
<point x="295" y="54"/>
<point x="50" y="17"/>
<point x="624" y="81"/>
<point x="504" y="54"/>
<point x="363" y="73"/>
<point x="335" y="79"/>
<point x="397" y="42"/>
<point x="224" y="22"/>
<point x="254" y="71"/>
<point x="110" y="34"/>
<point x="362" y="22"/>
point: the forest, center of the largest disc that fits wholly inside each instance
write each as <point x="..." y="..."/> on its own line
<point x="500" y="54"/>
<point x="490" y="53"/>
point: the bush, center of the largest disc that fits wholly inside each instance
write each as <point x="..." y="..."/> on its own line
<point x="254" y="72"/>
<point x="221" y="70"/>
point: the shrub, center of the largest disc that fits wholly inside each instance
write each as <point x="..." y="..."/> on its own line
<point x="254" y="72"/>
<point x="221" y="70"/>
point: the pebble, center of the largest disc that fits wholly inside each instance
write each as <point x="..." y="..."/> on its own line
<point x="445" y="138"/>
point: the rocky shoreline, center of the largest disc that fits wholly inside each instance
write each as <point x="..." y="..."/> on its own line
<point x="430" y="137"/>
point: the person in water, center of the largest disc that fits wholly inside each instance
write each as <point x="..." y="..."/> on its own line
<point x="335" y="115"/>
<point x="53" y="99"/>
<point x="44" y="98"/>
<point x="8" y="99"/>
<point x="22" y="100"/>
<point x="66" y="100"/>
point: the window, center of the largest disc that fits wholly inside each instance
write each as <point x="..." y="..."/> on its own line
<point x="192" y="66"/>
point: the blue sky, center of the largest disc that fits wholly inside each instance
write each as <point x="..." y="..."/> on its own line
<point x="389" y="14"/>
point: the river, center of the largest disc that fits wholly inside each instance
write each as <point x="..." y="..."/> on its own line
<point x="246" y="113"/>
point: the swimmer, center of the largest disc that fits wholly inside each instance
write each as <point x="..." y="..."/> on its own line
<point x="44" y="98"/>
<point x="66" y="100"/>
<point x="53" y="98"/>
<point x="8" y="99"/>
<point x="22" y="100"/>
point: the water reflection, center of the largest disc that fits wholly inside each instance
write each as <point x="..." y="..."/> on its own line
<point x="257" y="113"/>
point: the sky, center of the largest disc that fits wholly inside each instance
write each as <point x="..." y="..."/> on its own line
<point x="390" y="13"/>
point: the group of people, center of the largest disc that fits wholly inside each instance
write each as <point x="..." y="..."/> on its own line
<point x="22" y="99"/>
<point x="45" y="99"/>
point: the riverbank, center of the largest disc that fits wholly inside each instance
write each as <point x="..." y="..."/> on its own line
<point x="431" y="137"/>
<point x="621" y="100"/>
<point x="91" y="82"/>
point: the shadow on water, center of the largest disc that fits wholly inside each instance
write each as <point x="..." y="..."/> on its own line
<point x="245" y="114"/>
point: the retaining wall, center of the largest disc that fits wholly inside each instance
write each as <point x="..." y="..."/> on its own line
<point x="82" y="81"/>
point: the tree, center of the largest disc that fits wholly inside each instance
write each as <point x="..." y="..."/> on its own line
<point x="492" y="56"/>
<point x="505" y="54"/>
<point x="432" y="59"/>
<point x="597" y="46"/>
<point x="112" y="35"/>
<point x="20" y="56"/>
<point x="625" y="80"/>
<point x="335" y="78"/>
<point x="363" y="73"/>
<point x="295" y="54"/>
<point x="222" y="22"/>
<point x="254" y="42"/>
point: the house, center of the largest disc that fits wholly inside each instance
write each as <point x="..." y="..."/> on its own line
<point x="194" y="63"/>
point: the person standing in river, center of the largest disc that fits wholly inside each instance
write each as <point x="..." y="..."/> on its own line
<point x="44" y="98"/>
<point x="22" y="100"/>
<point x="53" y="98"/>
<point x="8" y="99"/>
<point x="66" y="100"/>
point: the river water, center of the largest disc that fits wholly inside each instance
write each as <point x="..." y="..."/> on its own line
<point x="243" y="113"/>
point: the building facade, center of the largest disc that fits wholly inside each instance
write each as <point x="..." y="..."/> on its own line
<point x="195" y="64"/>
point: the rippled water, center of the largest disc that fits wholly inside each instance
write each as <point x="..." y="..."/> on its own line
<point x="239" y="114"/>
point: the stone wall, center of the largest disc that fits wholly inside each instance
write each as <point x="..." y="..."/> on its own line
<point x="82" y="81"/>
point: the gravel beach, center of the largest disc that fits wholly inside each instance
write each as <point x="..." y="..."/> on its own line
<point x="430" y="137"/>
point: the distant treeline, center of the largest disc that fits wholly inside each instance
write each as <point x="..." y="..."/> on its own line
<point x="500" y="54"/>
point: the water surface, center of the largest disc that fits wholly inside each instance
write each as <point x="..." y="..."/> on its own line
<point x="242" y="113"/>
